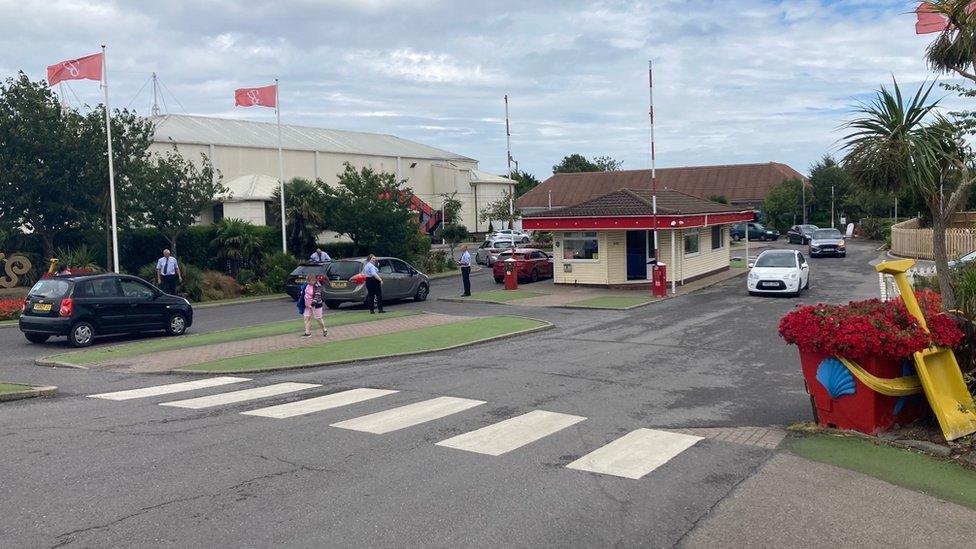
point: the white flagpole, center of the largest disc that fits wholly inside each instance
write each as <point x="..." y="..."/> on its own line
<point x="111" y="164"/>
<point x="650" y="114"/>
<point x="281" y="170"/>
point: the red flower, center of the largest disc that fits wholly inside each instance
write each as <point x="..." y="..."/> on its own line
<point x="10" y="308"/>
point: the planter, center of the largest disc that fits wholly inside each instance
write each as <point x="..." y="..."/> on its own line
<point x="841" y="401"/>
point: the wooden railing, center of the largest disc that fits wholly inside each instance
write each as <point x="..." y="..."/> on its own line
<point x="909" y="240"/>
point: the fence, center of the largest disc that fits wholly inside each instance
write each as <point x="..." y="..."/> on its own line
<point x="908" y="239"/>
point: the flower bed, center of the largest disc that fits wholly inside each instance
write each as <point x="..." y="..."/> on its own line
<point x="10" y="308"/>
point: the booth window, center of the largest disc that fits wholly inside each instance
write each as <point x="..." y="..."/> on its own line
<point x="718" y="237"/>
<point x="581" y="246"/>
<point x="691" y="243"/>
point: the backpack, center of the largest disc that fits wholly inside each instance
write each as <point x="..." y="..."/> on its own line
<point x="300" y="302"/>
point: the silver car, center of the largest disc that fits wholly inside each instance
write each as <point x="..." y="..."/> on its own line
<point x="827" y="242"/>
<point x="400" y="281"/>
<point x="963" y="261"/>
<point x="488" y="251"/>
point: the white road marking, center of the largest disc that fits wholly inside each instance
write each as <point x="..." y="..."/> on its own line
<point x="169" y="389"/>
<point x="317" y="404"/>
<point x="635" y="454"/>
<point x="409" y="415"/>
<point x="505" y="436"/>
<point x="240" y="396"/>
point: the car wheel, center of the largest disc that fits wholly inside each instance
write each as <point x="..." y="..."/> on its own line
<point x="535" y="275"/>
<point x="807" y="285"/>
<point x="176" y="325"/>
<point x="736" y="238"/>
<point x="422" y="292"/>
<point x="37" y="338"/>
<point x="762" y="238"/>
<point x="525" y="240"/>
<point x="81" y="334"/>
<point x="333" y="304"/>
<point x="499" y="280"/>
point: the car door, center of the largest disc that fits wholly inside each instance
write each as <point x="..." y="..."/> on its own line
<point x="109" y="308"/>
<point x="406" y="274"/>
<point x="804" y="270"/>
<point x="793" y="234"/>
<point x="545" y="264"/>
<point x="392" y="282"/>
<point x="146" y="310"/>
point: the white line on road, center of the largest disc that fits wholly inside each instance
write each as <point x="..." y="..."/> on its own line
<point x="635" y="454"/>
<point x="513" y="433"/>
<point x="409" y="415"/>
<point x="317" y="404"/>
<point x="240" y="396"/>
<point x="169" y="389"/>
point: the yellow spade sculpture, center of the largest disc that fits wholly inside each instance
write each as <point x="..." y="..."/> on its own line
<point x="937" y="367"/>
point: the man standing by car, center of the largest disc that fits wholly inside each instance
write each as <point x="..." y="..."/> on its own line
<point x="374" y="285"/>
<point x="168" y="273"/>
<point x="465" y="263"/>
<point x="319" y="256"/>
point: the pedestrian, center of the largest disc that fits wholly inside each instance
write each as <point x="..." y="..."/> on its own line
<point x="465" y="263"/>
<point x="168" y="273"/>
<point x="63" y="270"/>
<point x="374" y="285"/>
<point x="320" y="256"/>
<point x="310" y="305"/>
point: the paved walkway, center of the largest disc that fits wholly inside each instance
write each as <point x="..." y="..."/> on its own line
<point x="169" y="360"/>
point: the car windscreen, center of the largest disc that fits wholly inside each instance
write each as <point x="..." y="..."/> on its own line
<point x="826" y="234"/>
<point x="344" y="270"/>
<point x="758" y="227"/>
<point x="50" y="288"/>
<point x="776" y="261"/>
<point x="305" y="270"/>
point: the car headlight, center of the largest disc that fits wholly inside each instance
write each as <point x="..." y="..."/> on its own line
<point x="841" y="244"/>
<point x="791" y="276"/>
<point x="187" y="301"/>
<point x="753" y="276"/>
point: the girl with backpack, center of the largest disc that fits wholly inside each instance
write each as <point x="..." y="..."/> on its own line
<point x="311" y="303"/>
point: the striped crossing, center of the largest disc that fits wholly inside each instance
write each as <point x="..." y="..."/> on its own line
<point x="318" y="404"/>
<point x="409" y="415"/>
<point x="505" y="436"/>
<point x="170" y="388"/>
<point x="635" y="454"/>
<point x="240" y="396"/>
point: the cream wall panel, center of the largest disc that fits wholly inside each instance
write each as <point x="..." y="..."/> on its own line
<point x="252" y="211"/>
<point x="707" y="260"/>
<point x="616" y="254"/>
<point x="583" y="272"/>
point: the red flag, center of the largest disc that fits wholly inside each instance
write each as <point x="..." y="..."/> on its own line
<point x="252" y="97"/>
<point x="929" y="20"/>
<point x="84" y="68"/>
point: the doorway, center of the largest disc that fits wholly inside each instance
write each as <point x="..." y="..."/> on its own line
<point x="640" y="250"/>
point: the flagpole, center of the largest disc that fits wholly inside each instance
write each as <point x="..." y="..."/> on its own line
<point x="281" y="170"/>
<point x="650" y="114"/>
<point x="111" y="164"/>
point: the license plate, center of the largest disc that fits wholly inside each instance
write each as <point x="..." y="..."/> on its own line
<point x="41" y="308"/>
<point x="338" y="284"/>
<point x="769" y="285"/>
<point x="299" y="279"/>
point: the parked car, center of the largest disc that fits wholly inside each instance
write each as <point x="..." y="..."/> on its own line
<point x="511" y="234"/>
<point x="779" y="272"/>
<point x="827" y="242"/>
<point x="531" y="264"/>
<point x="800" y="234"/>
<point x="83" y="307"/>
<point x="963" y="261"/>
<point x="488" y="252"/>
<point x="756" y="232"/>
<point x="346" y="281"/>
<point x="305" y="271"/>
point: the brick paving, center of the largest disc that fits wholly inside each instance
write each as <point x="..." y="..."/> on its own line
<point x="169" y="360"/>
<point x="764" y="437"/>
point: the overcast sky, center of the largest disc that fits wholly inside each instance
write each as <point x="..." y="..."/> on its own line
<point x="735" y="81"/>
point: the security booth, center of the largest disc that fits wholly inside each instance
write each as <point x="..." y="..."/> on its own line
<point x="610" y="241"/>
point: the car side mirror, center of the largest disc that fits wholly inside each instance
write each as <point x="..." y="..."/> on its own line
<point x="751" y="265"/>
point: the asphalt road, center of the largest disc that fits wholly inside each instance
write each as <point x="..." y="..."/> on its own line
<point x="90" y="472"/>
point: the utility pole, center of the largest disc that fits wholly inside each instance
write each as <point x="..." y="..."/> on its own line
<point x="832" y="224"/>
<point x="803" y="193"/>
<point x="511" y="189"/>
<point x="154" y="110"/>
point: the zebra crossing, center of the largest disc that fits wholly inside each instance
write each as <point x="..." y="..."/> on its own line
<point x="631" y="456"/>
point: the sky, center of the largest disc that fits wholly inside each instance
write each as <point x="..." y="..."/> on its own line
<point x="734" y="81"/>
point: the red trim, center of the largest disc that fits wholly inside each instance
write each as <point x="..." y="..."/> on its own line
<point x="635" y="222"/>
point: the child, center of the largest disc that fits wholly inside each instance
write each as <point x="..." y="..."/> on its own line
<point x="310" y="305"/>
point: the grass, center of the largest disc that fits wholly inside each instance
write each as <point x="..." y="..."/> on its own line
<point x="502" y="296"/>
<point x="912" y="470"/>
<point x="236" y="334"/>
<point x="428" y="339"/>
<point x="13" y="388"/>
<point x="612" y="302"/>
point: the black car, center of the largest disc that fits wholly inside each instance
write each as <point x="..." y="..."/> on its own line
<point x="305" y="271"/>
<point x="85" y="306"/>
<point x="800" y="234"/>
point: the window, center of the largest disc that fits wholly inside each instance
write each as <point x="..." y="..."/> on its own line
<point x="134" y="288"/>
<point x="718" y="237"/>
<point x="691" y="243"/>
<point x="581" y="246"/>
<point x="344" y="270"/>
<point x="50" y="289"/>
<point x="106" y="287"/>
<point x="218" y="213"/>
<point x="385" y="267"/>
<point x="401" y="268"/>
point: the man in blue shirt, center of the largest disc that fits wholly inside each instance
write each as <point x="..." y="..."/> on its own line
<point x="465" y="263"/>
<point x="374" y="285"/>
<point x="167" y="273"/>
<point x="319" y="256"/>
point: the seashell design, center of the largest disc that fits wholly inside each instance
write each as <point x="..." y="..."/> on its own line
<point x="836" y="378"/>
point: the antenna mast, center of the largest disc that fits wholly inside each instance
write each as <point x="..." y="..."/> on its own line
<point x="511" y="189"/>
<point x="154" y="110"/>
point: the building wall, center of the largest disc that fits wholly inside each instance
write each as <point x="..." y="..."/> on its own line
<point x="584" y="272"/>
<point x="251" y="210"/>
<point x="707" y="260"/>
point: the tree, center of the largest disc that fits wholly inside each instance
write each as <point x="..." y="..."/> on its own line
<point x="171" y="193"/>
<point x="451" y="206"/>
<point x="607" y="163"/>
<point x="306" y="212"/>
<point x="498" y="210"/>
<point x="897" y="144"/>
<point x="576" y="163"/>
<point x="237" y="244"/>
<point x="784" y="203"/>
<point x="455" y="234"/>
<point x="525" y="182"/>
<point x="720" y="198"/>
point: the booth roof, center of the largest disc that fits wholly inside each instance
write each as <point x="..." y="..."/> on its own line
<point x="638" y="202"/>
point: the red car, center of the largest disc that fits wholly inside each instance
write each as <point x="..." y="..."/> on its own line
<point x="532" y="264"/>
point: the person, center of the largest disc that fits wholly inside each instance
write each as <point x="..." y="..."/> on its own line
<point x="374" y="285"/>
<point x="465" y="263"/>
<point x="167" y="273"/>
<point x="63" y="270"/>
<point x="319" y="256"/>
<point x="310" y="305"/>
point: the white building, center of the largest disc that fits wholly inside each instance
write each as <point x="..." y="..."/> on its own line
<point x="246" y="153"/>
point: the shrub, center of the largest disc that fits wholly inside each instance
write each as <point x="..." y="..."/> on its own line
<point x="219" y="286"/>
<point x="276" y="278"/>
<point x="874" y="228"/>
<point x="10" y="308"/>
<point x="339" y="250"/>
<point x="434" y="262"/>
<point x="257" y="288"/>
<point x="81" y="257"/>
<point x="246" y="276"/>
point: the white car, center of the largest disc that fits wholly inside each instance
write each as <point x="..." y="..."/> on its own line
<point x="779" y="272"/>
<point x="963" y="261"/>
<point x="516" y="235"/>
<point x="488" y="252"/>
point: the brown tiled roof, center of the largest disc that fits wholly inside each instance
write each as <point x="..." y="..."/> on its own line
<point x="637" y="202"/>
<point x="742" y="183"/>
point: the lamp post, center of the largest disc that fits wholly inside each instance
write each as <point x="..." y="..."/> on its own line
<point x="832" y="224"/>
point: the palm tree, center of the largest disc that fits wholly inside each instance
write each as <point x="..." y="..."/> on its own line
<point x="237" y="244"/>
<point x="305" y="212"/>
<point x="954" y="49"/>
<point x="897" y="144"/>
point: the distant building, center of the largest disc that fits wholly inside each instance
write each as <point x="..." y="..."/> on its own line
<point x="246" y="153"/>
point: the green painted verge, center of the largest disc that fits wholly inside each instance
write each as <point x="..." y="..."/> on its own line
<point x="420" y="340"/>
<point x="611" y="302"/>
<point x="13" y="387"/>
<point x="236" y="334"/>
<point x="913" y="470"/>
<point x="19" y="391"/>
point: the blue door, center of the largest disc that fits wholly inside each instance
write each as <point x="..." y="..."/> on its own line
<point x="636" y="255"/>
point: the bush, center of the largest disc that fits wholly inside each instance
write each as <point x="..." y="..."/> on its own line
<point x="257" y="288"/>
<point x="339" y="250"/>
<point x="219" y="286"/>
<point x="10" y="308"/>
<point x="246" y="276"/>
<point x="875" y="228"/>
<point x="434" y="262"/>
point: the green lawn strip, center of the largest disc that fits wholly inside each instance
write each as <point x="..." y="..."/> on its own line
<point x="431" y="338"/>
<point x="502" y="296"/>
<point x="223" y="336"/>
<point x="239" y="300"/>
<point x="612" y="302"/>
<point x="445" y="274"/>
<point x="918" y="472"/>
<point x="13" y="388"/>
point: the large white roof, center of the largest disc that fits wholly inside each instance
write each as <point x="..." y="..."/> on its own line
<point x="251" y="187"/>
<point x="204" y="130"/>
